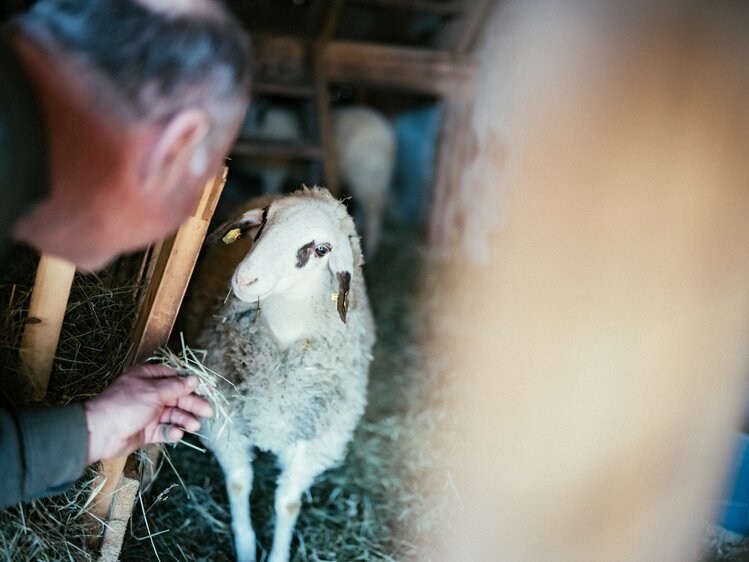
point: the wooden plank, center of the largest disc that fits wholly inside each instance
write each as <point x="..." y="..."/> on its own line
<point x="127" y="494"/>
<point x="280" y="59"/>
<point x="277" y="149"/>
<point x="417" y="70"/>
<point x="173" y="267"/>
<point x="440" y="7"/>
<point x="325" y="122"/>
<point x="332" y="17"/>
<point x="455" y="143"/>
<point x="472" y="25"/>
<point x="459" y="34"/>
<point x="283" y="90"/>
<point x="596" y="298"/>
<point x="49" y="299"/>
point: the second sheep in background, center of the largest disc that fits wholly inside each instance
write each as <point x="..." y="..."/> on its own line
<point x="365" y="155"/>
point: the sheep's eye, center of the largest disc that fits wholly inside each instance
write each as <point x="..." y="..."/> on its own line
<point x="321" y="250"/>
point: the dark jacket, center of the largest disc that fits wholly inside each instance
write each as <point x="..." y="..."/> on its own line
<point x="42" y="452"/>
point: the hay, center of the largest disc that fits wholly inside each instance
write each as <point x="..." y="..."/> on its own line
<point x="720" y="545"/>
<point x="374" y="506"/>
<point x="190" y="362"/>
<point x="93" y="345"/>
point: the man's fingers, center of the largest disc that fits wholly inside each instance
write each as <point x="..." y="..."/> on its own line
<point x="171" y="389"/>
<point x="167" y="433"/>
<point x="153" y="371"/>
<point x="196" y="405"/>
<point x="175" y="416"/>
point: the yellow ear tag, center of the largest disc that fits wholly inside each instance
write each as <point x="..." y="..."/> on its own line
<point x="232" y="236"/>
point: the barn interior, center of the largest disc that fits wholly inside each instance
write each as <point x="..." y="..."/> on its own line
<point x="414" y="63"/>
<point x="407" y="62"/>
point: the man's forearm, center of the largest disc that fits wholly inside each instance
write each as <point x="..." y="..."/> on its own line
<point x="43" y="452"/>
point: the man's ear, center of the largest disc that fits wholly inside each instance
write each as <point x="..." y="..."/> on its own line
<point x="179" y="147"/>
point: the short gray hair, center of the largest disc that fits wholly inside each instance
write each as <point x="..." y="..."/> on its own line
<point x="146" y="63"/>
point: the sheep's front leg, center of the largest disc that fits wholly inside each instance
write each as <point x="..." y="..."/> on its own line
<point x="236" y="462"/>
<point x="298" y="470"/>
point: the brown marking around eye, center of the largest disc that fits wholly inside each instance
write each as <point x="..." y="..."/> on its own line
<point x="303" y="254"/>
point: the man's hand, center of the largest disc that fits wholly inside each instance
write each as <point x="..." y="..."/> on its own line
<point x="146" y="404"/>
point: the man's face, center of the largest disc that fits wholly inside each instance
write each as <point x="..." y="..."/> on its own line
<point x="133" y="211"/>
<point x="138" y="218"/>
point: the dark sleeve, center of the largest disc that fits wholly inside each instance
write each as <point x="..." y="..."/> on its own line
<point x="42" y="452"/>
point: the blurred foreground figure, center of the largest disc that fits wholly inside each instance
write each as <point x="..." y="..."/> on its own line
<point x="599" y="286"/>
<point x="113" y="115"/>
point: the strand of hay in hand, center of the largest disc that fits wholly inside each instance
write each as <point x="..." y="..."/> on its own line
<point x="190" y="362"/>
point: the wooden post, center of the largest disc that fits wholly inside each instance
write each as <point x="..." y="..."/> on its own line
<point x="455" y="144"/>
<point x="595" y="311"/>
<point x="174" y="264"/>
<point x="49" y="299"/>
<point x="325" y="121"/>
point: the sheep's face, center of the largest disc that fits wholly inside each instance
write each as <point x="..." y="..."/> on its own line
<point x="298" y="252"/>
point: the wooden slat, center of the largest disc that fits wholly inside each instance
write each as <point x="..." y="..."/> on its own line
<point x="49" y="299"/>
<point x="472" y="25"/>
<point x="325" y="122"/>
<point x="440" y="7"/>
<point x="174" y="267"/>
<point x="417" y="70"/>
<point x="277" y="149"/>
<point x="283" y="90"/>
<point x="332" y="17"/>
<point x="454" y="146"/>
<point x="171" y="274"/>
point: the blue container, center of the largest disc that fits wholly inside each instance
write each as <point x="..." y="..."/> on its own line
<point x="735" y="503"/>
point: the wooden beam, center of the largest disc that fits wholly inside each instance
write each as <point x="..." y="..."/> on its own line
<point x="282" y="90"/>
<point x="455" y="142"/>
<point x="325" y="122"/>
<point x="460" y="33"/>
<point x="49" y="299"/>
<point x="277" y="149"/>
<point x="417" y="70"/>
<point x="440" y="7"/>
<point x="174" y="264"/>
<point x="332" y="17"/>
<point x="472" y="25"/>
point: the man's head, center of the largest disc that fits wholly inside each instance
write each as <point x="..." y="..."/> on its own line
<point x="142" y="99"/>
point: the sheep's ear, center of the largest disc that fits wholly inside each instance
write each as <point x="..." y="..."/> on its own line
<point x="243" y="224"/>
<point x="341" y="263"/>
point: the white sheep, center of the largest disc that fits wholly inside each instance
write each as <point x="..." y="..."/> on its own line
<point x="365" y="153"/>
<point x="298" y="358"/>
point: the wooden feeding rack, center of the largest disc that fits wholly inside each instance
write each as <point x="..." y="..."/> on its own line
<point x="316" y="44"/>
<point x="167" y="271"/>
